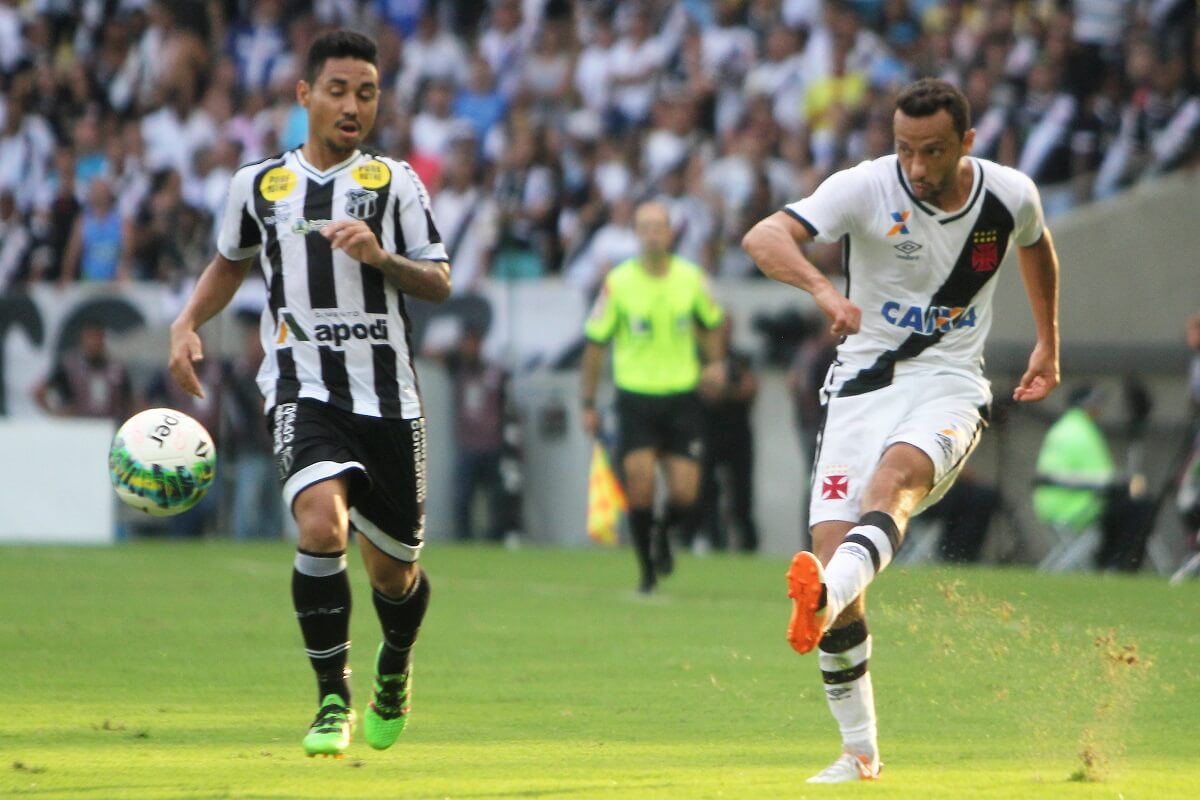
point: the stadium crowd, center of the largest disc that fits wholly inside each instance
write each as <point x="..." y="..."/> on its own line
<point x="538" y="123"/>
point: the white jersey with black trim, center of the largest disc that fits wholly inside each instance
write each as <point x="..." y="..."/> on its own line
<point x="334" y="329"/>
<point x="921" y="276"/>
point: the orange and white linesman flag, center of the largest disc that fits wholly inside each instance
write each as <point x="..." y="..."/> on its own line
<point x="606" y="499"/>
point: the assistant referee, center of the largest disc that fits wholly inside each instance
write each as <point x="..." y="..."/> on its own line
<point x="658" y="312"/>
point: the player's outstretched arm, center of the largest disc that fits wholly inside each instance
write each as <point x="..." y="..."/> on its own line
<point x="774" y="245"/>
<point x="214" y="290"/>
<point x="1039" y="270"/>
<point x="427" y="280"/>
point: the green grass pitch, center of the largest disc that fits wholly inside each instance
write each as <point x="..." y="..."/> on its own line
<point x="172" y="670"/>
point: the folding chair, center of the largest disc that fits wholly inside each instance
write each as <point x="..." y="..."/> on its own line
<point x="1073" y="549"/>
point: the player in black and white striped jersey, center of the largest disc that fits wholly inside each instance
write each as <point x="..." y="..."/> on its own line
<point x="341" y="236"/>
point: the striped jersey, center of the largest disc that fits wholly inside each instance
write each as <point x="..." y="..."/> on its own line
<point x="334" y="329"/>
<point x="921" y="276"/>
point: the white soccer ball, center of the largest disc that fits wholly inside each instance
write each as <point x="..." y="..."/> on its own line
<point x="162" y="462"/>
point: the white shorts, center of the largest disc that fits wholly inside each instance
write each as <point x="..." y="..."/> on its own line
<point x="942" y="414"/>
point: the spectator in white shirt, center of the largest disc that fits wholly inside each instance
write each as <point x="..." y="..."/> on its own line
<point x="637" y="60"/>
<point x="178" y="129"/>
<point x="466" y="215"/>
<point x="594" y="65"/>
<point x="504" y="43"/>
<point x="430" y="54"/>
<point x="433" y="124"/>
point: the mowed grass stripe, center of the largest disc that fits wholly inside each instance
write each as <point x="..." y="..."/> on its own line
<point x="175" y="669"/>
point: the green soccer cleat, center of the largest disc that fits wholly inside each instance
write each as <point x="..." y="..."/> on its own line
<point x="330" y="731"/>
<point x="387" y="713"/>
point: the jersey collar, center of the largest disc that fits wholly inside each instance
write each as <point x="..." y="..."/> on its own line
<point x="943" y="216"/>
<point x="324" y="176"/>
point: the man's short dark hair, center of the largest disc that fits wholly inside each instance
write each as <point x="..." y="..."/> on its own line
<point x="339" y="44"/>
<point x="929" y="95"/>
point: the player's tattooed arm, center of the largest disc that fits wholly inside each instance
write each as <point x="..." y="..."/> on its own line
<point x="1039" y="269"/>
<point x="427" y="280"/>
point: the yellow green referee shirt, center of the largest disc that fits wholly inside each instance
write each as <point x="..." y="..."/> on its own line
<point x="650" y="320"/>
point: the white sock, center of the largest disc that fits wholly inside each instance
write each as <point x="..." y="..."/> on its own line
<point x="864" y="553"/>
<point x="848" y="688"/>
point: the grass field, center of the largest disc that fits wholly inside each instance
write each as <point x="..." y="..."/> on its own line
<point x="169" y="670"/>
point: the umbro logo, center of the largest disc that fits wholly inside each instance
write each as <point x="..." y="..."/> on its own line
<point x="908" y="247"/>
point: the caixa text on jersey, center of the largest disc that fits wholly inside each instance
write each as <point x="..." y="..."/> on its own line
<point x="928" y="320"/>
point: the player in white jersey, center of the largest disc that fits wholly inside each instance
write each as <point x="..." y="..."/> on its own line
<point x="924" y="232"/>
<point x="341" y="236"/>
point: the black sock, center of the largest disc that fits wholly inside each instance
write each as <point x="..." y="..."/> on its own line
<point x="321" y="597"/>
<point x="401" y="620"/>
<point x="641" y="526"/>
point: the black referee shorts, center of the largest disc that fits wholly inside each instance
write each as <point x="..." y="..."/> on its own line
<point x="668" y="423"/>
<point x="384" y="460"/>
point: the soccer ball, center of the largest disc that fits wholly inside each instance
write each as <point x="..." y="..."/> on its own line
<point x="162" y="462"/>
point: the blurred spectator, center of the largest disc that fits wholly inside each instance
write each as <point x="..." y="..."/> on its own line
<point x="431" y="54"/>
<point x="16" y="242"/>
<point x="779" y="75"/>
<point x="634" y="66"/>
<point x="594" y="67"/>
<point x="728" y="50"/>
<point x="806" y="376"/>
<point x="481" y="103"/>
<point x="26" y="145"/>
<point x="466" y="214"/>
<point x="611" y="244"/>
<point x="98" y="249"/>
<point x="258" y="43"/>
<point x="179" y="128"/>
<point x="547" y="72"/>
<point x="503" y="43"/>
<point x="257" y="504"/>
<point x="433" y="125"/>
<point x="1160" y="124"/>
<point x="727" y="471"/>
<point x="525" y="193"/>
<point x="11" y="42"/>
<point x="54" y="219"/>
<point x="1078" y="485"/>
<point x="87" y="381"/>
<point x="480" y="406"/>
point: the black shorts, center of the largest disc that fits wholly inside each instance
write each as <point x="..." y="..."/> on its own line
<point x="384" y="460"/>
<point x="669" y="423"/>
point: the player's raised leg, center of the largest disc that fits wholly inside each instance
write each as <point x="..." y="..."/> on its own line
<point x="321" y="597"/>
<point x="401" y="592"/>
<point x="901" y="481"/>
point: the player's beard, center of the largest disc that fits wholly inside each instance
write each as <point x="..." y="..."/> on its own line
<point x="338" y="148"/>
<point x="936" y="193"/>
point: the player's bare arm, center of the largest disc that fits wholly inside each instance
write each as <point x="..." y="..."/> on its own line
<point x="774" y="245"/>
<point x="1039" y="270"/>
<point x="427" y="280"/>
<point x="214" y="290"/>
<point x="593" y="360"/>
